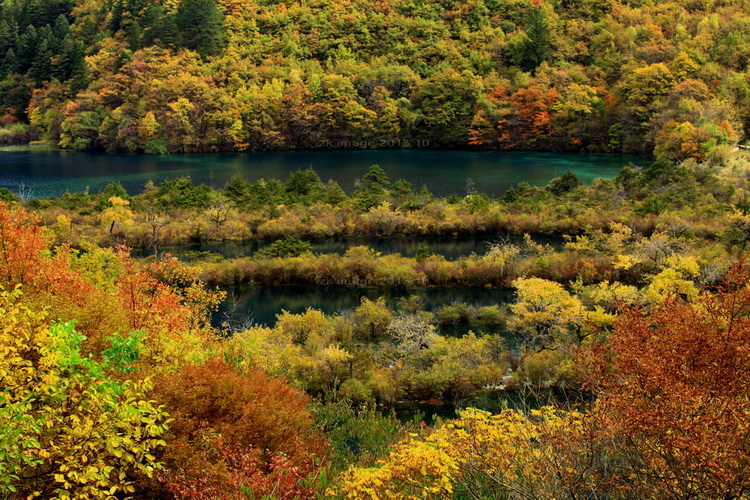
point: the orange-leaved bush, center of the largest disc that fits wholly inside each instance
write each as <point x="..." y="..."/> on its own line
<point x="233" y="431"/>
<point x="25" y="260"/>
<point x="673" y="390"/>
<point x="104" y="291"/>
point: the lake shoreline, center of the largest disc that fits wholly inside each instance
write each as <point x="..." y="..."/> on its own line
<point x="52" y="146"/>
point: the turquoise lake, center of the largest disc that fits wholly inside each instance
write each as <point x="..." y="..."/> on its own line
<point x="53" y="172"/>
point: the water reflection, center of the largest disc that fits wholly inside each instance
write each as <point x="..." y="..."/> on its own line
<point x="263" y="303"/>
<point x="450" y="248"/>
<point x="493" y="401"/>
<point x="53" y="172"/>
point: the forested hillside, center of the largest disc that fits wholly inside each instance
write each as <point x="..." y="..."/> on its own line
<point x="148" y="76"/>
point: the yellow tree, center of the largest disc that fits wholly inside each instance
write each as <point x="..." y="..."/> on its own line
<point x="481" y="455"/>
<point x="118" y="212"/>
<point x="182" y="123"/>
<point x="642" y="87"/>
<point x="545" y="314"/>
<point x="148" y="128"/>
<point x="69" y="429"/>
<point x="371" y="319"/>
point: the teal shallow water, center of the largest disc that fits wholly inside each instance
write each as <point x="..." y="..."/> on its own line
<point x="54" y="172"/>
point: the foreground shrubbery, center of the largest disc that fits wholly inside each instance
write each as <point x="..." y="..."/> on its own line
<point x="115" y="383"/>
<point x="112" y="405"/>
<point x="71" y="428"/>
<point x="236" y="430"/>
<point x="669" y="420"/>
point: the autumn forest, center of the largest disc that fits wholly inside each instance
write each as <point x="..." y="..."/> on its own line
<point x="596" y="339"/>
<point x="142" y="76"/>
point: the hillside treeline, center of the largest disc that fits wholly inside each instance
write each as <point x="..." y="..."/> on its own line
<point x="197" y="75"/>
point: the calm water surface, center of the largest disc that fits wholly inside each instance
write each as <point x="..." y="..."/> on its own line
<point x="450" y="248"/>
<point x="53" y="172"/>
<point x="492" y="401"/>
<point x="263" y="303"/>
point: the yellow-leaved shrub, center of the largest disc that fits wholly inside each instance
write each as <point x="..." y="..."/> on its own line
<point x="69" y="429"/>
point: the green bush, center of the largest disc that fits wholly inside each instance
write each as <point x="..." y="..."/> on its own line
<point x="288" y="247"/>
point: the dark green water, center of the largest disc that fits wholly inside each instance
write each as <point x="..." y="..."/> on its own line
<point x="492" y="401"/>
<point x="53" y="172"/>
<point x="263" y="303"/>
<point x="450" y="248"/>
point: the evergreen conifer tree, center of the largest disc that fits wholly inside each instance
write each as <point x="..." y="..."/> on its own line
<point x="201" y="26"/>
<point x="536" y="49"/>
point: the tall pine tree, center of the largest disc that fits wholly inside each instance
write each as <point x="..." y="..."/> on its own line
<point x="536" y="48"/>
<point x="6" y="39"/>
<point x="201" y="26"/>
<point x="41" y="69"/>
<point x="10" y="64"/>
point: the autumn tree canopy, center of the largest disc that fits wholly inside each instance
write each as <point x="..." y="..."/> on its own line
<point x="206" y="75"/>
